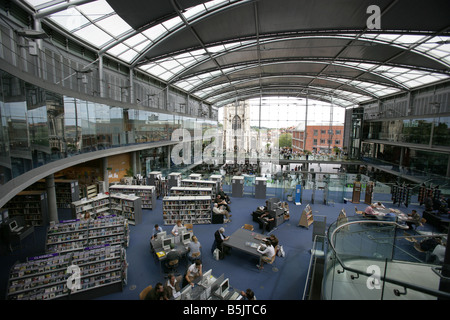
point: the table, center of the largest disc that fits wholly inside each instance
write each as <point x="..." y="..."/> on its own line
<point x="381" y="213"/>
<point x="241" y="240"/>
<point x="157" y="248"/>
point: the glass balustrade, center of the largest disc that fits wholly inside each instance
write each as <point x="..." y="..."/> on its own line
<point x="376" y="260"/>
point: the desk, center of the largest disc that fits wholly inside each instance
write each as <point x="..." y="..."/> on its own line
<point x="157" y="247"/>
<point x="380" y="213"/>
<point x="201" y="291"/>
<point x="12" y="236"/>
<point x="240" y="240"/>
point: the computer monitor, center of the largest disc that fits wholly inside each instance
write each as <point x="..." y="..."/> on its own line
<point x="186" y="237"/>
<point x="181" y="230"/>
<point x="13" y="225"/>
<point x="166" y="242"/>
<point x="186" y="293"/>
<point x="205" y="277"/>
<point x="161" y="235"/>
<point x="223" y="288"/>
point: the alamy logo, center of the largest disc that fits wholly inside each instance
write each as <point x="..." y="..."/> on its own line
<point x="374" y="20"/>
<point x="373" y="282"/>
<point x="74" y="282"/>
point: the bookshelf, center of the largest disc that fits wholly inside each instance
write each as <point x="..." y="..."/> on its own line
<point x="97" y="206"/>
<point x="401" y="194"/>
<point x="202" y="184"/>
<point x="173" y="180"/>
<point x="67" y="191"/>
<point x="74" y="235"/>
<point x="146" y="193"/>
<point x="128" y="206"/>
<point x="102" y="270"/>
<point x="306" y="219"/>
<point x="31" y="205"/>
<point x="191" y="191"/>
<point x="188" y="209"/>
<point x="368" y="198"/>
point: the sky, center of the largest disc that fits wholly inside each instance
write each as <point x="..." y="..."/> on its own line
<point x="282" y="112"/>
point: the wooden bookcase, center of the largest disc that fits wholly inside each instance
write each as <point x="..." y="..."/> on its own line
<point x="306" y="219"/>
<point x="356" y="192"/>
<point x="188" y="209"/>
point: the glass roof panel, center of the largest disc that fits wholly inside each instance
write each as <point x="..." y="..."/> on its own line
<point x="194" y="11"/>
<point x="118" y="49"/>
<point x="94" y="35"/>
<point x="69" y="19"/>
<point x="154" y="32"/>
<point x="114" y="25"/>
<point x="129" y="55"/>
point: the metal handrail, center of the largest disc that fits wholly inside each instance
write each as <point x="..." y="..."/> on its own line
<point x="432" y="292"/>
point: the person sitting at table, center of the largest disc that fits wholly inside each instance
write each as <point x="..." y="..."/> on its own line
<point x="177" y="226"/>
<point x="193" y="272"/>
<point x="379" y="205"/>
<point x="273" y="239"/>
<point x="194" y="249"/>
<point x="156" y="293"/>
<point x="369" y="212"/>
<point x="157" y="229"/>
<point x="219" y="238"/>
<point x="172" y="259"/>
<point x="413" y="219"/>
<point x="221" y="210"/>
<point x="267" y="250"/>
<point x="172" y="287"/>
<point x="248" y="294"/>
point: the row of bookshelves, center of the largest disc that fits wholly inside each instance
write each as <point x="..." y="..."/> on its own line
<point x="51" y="276"/>
<point x="146" y="193"/>
<point x="428" y="192"/>
<point x="188" y="209"/>
<point x="31" y="205"/>
<point x="126" y="205"/>
<point x="75" y="235"/>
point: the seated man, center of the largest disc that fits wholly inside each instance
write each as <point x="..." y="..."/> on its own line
<point x="267" y="220"/>
<point x="413" y="218"/>
<point x="221" y="210"/>
<point x="222" y="202"/>
<point x="259" y="211"/>
<point x="223" y="195"/>
<point x="267" y="250"/>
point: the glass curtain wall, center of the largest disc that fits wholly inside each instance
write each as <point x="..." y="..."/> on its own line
<point x="38" y="126"/>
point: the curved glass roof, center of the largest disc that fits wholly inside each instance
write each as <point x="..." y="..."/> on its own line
<point x="226" y="49"/>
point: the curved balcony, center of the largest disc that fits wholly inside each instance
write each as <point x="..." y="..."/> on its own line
<point x="366" y="260"/>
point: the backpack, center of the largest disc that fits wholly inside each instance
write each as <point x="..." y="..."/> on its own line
<point x="281" y="252"/>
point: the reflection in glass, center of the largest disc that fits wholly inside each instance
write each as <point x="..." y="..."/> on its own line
<point x="38" y="127"/>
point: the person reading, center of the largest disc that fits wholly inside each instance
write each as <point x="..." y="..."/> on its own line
<point x="268" y="252"/>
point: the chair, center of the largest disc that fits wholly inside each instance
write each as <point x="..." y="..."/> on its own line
<point x="189" y="226"/>
<point x="248" y="227"/>
<point x="144" y="292"/>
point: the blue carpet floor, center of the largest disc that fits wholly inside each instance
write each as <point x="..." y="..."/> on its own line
<point x="284" y="282"/>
